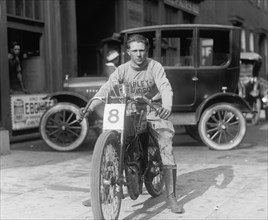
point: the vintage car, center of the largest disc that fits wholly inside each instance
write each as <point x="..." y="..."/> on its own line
<point x="202" y="63"/>
<point x="251" y="86"/>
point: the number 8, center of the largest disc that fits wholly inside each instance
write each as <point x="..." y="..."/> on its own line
<point x="113" y="116"/>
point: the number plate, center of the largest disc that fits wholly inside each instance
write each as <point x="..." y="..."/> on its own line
<point x="113" y="118"/>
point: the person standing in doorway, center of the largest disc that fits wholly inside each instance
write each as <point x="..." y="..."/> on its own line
<point x="112" y="62"/>
<point x="15" y="69"/>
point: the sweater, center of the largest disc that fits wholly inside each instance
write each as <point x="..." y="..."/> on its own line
<point x="149" y="80"/>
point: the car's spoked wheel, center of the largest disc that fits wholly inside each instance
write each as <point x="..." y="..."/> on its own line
<point x="59" y="127"/>
<point x="222" y="126"/>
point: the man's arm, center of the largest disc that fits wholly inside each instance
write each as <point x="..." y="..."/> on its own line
<point x="106" y="89"/>
<point x="19" y="76"/>
<point x="163" y="85"/>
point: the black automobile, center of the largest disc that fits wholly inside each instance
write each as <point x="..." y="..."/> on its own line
<point x="202" y="63"/>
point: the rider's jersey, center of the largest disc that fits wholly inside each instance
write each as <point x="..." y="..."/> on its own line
<point x="149" y="80"/>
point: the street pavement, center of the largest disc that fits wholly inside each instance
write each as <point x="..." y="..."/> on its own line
<point x="39" y="183"/>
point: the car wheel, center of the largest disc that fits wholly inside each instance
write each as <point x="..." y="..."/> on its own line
<point x="222" y="126"/>
<point x="59" y="128"/>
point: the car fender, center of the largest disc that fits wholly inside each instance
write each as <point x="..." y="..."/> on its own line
<point x="227" y="97"/>
<point x="67" y="96"/>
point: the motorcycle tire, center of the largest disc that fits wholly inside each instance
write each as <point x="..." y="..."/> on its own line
<point x="154" y="180"/>
<point x="106" y="194"/>
<point x="222" y="126"/>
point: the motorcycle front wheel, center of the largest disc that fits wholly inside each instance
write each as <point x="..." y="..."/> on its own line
<point x="105" y="191"/>
<point x="154" y="181"/>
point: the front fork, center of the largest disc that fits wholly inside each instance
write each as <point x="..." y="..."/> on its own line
<point x="121" y="180"/>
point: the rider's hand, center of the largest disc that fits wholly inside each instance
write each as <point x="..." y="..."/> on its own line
<point x="164" y="113"/>
<point x="82" y="114"/>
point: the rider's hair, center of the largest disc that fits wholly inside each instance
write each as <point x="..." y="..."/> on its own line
<point x="137" y="38"/>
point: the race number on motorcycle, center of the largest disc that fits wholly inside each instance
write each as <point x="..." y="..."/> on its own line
<point x="113" y="118"/>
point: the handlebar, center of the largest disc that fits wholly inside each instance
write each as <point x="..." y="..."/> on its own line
<point x="139" y="99"/>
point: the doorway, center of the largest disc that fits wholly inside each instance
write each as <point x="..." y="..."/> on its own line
<point x="96" y="20"/>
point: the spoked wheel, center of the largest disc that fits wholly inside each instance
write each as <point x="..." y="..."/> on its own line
<point x="154" y="181"/>
<point x="59" y="128"/>
<point x="254" y="118"/>
<point x="193" y="132"/>
<point x="105" y="190"/>
<point x="222" y="127"/>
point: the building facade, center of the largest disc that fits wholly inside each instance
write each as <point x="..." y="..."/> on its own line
<point x="62" y="37"/>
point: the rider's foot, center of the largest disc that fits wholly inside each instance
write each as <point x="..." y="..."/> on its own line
<point x="87" y="203"/>
<point x="173" y="205"/>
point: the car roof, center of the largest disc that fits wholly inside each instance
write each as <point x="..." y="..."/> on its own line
<point x="250" y="56"/>
<point x="177" y="26"/>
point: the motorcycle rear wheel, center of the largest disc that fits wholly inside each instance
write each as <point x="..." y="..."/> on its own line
<point x="154" y="180"/>
<point x="105" y="191"/>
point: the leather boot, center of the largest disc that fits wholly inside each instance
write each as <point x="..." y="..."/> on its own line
<point x="170" y="175"/>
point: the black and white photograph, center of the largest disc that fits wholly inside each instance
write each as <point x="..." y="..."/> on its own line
<point x="133" y="109"/>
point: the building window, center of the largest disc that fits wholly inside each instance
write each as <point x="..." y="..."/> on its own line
<point x="151" y="12"/>
<point x="251" y="42"/>
<point x="27" y="9"/>
<point x="243" y="40"/>
<point x="171" y="15"/>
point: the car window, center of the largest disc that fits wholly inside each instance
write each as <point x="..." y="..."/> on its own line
<point x="177" y="48"/>
<point x="214" y="47"/>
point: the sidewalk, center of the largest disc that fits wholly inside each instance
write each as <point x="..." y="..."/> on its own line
<point x="38" y="183"/>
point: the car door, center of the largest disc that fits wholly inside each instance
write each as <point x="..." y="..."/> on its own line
<point x="177" y="57"/>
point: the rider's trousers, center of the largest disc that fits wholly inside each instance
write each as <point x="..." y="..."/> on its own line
<point x="163" y="131"/>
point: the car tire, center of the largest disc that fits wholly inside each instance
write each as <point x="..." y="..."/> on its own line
<point x="59" y="129"/>
<point x="222" y="126"/>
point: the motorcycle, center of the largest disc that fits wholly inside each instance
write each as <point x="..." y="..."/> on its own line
<point x="125" y="154"/>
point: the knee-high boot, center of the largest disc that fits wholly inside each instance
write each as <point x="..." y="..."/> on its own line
<point x="170" y="175"/>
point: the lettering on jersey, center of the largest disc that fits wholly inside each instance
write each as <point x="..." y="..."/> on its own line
<point x="140" y="87"/>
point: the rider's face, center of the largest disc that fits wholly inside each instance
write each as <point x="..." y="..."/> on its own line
<point x="137" y="52"/>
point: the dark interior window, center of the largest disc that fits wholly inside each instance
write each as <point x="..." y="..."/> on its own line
<point x="214" y="47"/>
<point x="177" y="48"/>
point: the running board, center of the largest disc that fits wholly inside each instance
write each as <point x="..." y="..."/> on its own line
<point x="183" y="118"/>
